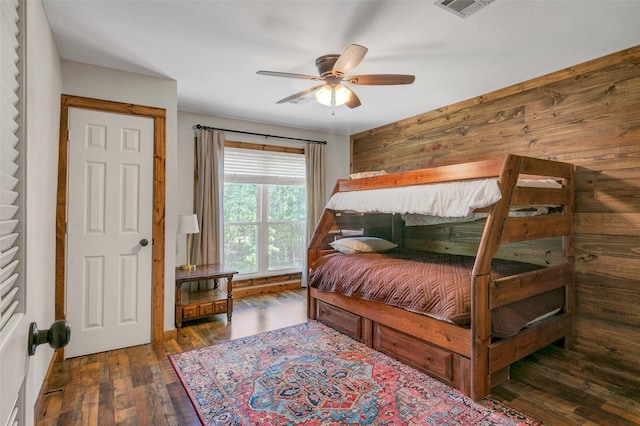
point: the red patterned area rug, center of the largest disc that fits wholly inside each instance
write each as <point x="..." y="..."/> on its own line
<point x="310" y="374"/>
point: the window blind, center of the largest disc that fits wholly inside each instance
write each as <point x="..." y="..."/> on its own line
<point x="270" y="167"/>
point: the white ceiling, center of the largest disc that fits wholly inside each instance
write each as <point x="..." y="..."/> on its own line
<point x="214" y="48"/>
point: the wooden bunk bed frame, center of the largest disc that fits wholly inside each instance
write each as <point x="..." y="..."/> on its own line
<point x="468" y="359"/>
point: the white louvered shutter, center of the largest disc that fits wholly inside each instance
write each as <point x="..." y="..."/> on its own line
<point x="12" y="293"/>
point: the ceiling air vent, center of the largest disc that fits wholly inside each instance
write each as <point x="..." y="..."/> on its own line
<point x="462" y="8"/>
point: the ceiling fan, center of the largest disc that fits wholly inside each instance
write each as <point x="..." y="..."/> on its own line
<point x="333" y="69"/>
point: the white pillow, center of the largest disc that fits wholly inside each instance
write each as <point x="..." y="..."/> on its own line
<point x="362" y="245"/>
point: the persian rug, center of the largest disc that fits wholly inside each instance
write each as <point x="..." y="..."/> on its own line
<point x="310" y="374"/>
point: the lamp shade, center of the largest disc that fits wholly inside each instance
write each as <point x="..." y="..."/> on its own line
<point x="333" y="95"/>
<point x="341" y="95"/>
<point x="324" y="95"/>
<point x="188" y="224"/>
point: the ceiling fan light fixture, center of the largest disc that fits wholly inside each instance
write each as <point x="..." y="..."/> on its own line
<point x="333" y="96"/>
<point x="324" y="95"/>
<point x="333" y="70"/>
<point x="342" y="95"/>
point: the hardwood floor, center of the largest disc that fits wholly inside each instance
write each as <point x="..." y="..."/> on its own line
<point x="138" y="386"/>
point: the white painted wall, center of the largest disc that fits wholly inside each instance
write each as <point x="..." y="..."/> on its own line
<point x="112" y="85"/>
<point x="337" y="152"/>
<point x="47" y="78"/>
<point x="43" y="85"/>
<point x="108" y="84"/>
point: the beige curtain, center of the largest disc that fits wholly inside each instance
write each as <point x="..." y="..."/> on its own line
<point x="206" y="247"/>
<point x="315" y="162"/>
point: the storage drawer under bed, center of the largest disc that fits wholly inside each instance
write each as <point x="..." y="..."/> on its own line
<point x="414" y="352"/>
<point x="438" y="362"/>
<point x="341" y="320"/>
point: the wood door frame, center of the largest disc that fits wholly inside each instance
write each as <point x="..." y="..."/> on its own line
<point x="159" y="201"/>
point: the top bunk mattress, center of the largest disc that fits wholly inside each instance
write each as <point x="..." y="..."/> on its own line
<point x="449" y="199"/>
<point x="434" y="284"/>
<point x="457" y="199"/>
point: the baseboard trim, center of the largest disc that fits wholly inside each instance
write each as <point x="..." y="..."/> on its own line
<point x="266" y="288"/>
<point x="170" y="334"/>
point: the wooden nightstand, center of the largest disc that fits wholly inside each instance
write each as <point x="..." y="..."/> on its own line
<point x="203" y="303"/>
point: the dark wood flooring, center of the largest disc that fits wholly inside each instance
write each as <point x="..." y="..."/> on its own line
<point x="138" y="386"/>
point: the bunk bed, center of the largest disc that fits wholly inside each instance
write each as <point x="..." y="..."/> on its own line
<point x="467" y="338"/>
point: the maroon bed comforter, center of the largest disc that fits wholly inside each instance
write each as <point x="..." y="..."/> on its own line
<point x="434" y="284"/>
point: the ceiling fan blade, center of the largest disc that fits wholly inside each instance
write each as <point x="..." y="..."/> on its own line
<point x="349" y="59"/>
<point x="353" y="101"/>
<point x="290" y="75"/>
<point x="380" y="79"/>
<point x="299" y="94"/>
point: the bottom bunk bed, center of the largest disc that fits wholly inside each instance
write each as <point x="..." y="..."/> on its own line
<point x="461" y="312"/>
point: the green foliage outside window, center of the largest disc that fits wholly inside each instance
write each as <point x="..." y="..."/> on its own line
<point x="287" y="211"/>
<point x="287" y="203"/>
<point x="281" y="228"/>
<point x="240" y="202"/>
<point x="240" y="237"/>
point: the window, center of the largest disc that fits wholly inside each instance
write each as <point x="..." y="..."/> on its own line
<point x="264" y="211"/>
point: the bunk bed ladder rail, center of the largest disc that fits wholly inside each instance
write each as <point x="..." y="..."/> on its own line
<point x="488" y="359"/>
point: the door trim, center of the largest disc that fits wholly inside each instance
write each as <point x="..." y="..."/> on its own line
<point x="159" y="201"/>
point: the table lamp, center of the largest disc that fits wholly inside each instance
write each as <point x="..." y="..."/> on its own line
<point x="188" y="224"/>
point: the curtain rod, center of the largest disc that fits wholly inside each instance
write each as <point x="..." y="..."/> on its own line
<point x="200" y="126"/>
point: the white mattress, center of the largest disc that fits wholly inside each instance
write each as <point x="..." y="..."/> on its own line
<point x="441" y="200"/>
<point x="450" y="199"/>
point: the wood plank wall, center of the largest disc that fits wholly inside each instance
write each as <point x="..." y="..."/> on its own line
<point x="588" y="115"/>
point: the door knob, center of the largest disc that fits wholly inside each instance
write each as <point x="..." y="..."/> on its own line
<point x="57" y="336"/>
<point x="144" y="242"/>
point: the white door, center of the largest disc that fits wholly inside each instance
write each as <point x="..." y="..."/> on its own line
<point x="109" y="231"/>
<point x="14" y="315"/>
